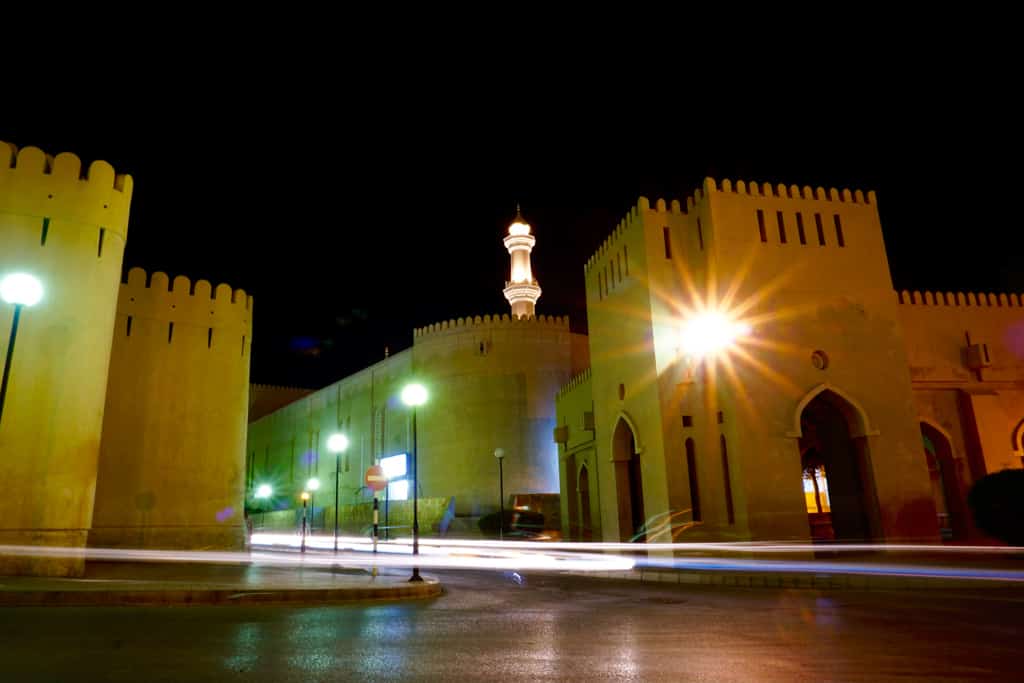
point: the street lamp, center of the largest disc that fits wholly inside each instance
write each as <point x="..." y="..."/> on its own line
<point x="305" y="499"/>
<point x="263" y="492"/>
<point x="337" y="444"/>
<point x="312" y="485"/>
<point x="415" y="395"/>
<point x="19" y="290"/>
<point x="499" y="453"/>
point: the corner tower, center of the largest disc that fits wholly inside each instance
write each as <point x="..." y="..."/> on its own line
<point x="66" y="224"/>
<point x="521" y="290"/>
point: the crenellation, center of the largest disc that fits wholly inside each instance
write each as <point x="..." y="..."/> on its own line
<point x="675" y="206"/>
<point x="138" y="282"/>
<point x="959" y="299"/>
<point x="659" y="205"/>
<point x="726" y="185"/>
<point x="36" y="184"/>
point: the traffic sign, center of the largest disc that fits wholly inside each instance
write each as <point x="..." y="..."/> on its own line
<point x="376" y="479"/>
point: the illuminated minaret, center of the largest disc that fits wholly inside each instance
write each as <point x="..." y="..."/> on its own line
<point x="522" y="291"/>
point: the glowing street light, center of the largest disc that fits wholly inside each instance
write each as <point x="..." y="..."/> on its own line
<point x="264" y="491"/>
<point x="710" y="333"/>
<point x="414" y="395"/>
<point x="19" y="290"/>
<point x="305" y="499"/>
<point x="499" y="453"/>
<point x="337" y="444"/>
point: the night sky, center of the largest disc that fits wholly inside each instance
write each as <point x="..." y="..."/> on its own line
<point x="357" y="207"/>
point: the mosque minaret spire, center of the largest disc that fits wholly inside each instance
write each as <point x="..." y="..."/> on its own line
<point x="521" y="290"/>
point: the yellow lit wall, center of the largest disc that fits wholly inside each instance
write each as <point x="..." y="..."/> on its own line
<point x="172" y="464"/>
<point x="50" y="434"/>
<point x="491" y="381"/>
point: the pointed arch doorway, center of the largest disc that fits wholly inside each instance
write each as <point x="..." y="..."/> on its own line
<point x="586" y="528"/>
<point x="628" y="483"/>
<point x="945" y="485"/>
<point x="837" y="480"/>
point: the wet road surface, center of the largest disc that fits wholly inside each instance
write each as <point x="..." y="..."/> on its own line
<point x="489" y="627"/>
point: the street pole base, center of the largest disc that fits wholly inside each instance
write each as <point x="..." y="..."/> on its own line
<point x="416" y="578"/>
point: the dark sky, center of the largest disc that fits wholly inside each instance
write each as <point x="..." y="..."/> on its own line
<point x="355" y="205"/>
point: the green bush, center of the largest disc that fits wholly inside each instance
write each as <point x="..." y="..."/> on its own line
<point x="997" y="505"/>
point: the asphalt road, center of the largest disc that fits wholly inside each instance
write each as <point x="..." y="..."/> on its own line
<point x="490" y="628"/>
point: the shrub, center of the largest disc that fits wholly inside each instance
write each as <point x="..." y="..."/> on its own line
<point x="997" y="505"/>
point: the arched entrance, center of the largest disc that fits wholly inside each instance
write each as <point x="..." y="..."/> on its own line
<point x="836" y="476"/>
<point x="586" y="531"/>
<point x="628" y="483"/>
<point x="944" y="482"/>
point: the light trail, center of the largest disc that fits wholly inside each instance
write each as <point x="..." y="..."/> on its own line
<point x="355" y="551"/>
<point x="595" y="547"/>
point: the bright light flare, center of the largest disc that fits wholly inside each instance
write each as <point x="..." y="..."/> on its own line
<point x="304" y="496"/>
<point x="711" y="332"/>
<point x="21" y="289"/>
<point x="313" y="484"/>
<point x="264" y="491"/>
<point x="337" y="443"/>
<point x="414" y="394"/>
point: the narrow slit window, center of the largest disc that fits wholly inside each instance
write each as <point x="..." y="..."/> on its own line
<point x="128" y="327"/>
<point x="760" y="225"/>
<point x="668" y="242"/>
<point x="606" y="280"/>
<point x="243" y="344"/>
<point x="729" y="511"/>
<point x="700" y="235"/>
<point x="99" y="247"/>
<point x="821" y="230"/>
<point x="782" y="226"/>
<point x="600" y="287"/>
<point x="839" y="230"/>
<point x="170" y="332"/>
<point x="625" y="258"/>
<point x="46" y="229"/>
<point x="691" y="468"/>
<point x="800" y="228"/>
<point x="209" y="338"/>
<point x="618" y="264"/>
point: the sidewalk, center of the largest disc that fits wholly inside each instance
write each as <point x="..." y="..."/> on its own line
<point x="173" y="583"/>
<point x="880" y="572"/>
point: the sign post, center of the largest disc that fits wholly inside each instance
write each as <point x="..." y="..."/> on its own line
<point x="378" y="481"/>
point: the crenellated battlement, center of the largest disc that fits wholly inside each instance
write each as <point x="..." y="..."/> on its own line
<point x="781" y="191"/>
<point x="36" y="184"/>
<point x="968" y="299"/>
<point x="503" y="320"/>
<point x="581" y="378"/>
<point x="200" y="304"/>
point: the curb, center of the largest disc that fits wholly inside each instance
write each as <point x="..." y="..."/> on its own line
<point x="218" y="596"/>
<point x="804" y="580"/>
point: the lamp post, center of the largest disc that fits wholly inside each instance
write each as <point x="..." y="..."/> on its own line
<point x="263" y="492"/>
<point x="312" y="485"/>
<point x="415" y="395"/>
<point x="20" y="290"/>
<point x="337" y="444"/>
<point x="305" y="499"/>
<point x="499" y="453"/>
